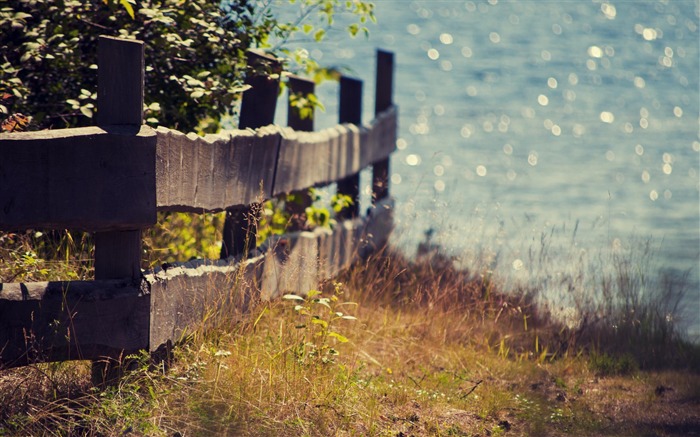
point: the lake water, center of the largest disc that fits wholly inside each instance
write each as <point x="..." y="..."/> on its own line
<point x="540" y="138"/>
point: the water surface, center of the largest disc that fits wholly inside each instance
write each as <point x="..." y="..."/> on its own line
<point x="565" y="126"/>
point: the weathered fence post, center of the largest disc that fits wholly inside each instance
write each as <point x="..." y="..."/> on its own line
<point x="120" y="87"/>
<point x="300" y="117"/>
<point x="383" y="101"/>
<point x="350" y="111"/>
<point x="257" y="110"/>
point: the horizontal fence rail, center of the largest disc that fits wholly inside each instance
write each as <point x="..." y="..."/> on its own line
<point x="111" y="180"/>
<point x="219" y="171"/>
<point x="91" y="178"/>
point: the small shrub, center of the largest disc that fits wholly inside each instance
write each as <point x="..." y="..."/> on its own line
<point x="606" y="365"/>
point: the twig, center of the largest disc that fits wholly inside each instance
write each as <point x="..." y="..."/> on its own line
<point x="472" y="389"/>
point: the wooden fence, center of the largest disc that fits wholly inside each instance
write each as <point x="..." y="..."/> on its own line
<point x="112" y="178"/>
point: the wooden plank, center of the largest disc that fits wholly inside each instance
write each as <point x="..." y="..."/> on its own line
<point x="310" y="159"/>
<point x="120" y="87"/>
<point x="300" y="117"/>
<point x="384" y="91"/>
<point x="164" y="173"/>
<point x="338" y="248"/>
<point x="199" y="294"/>
<point x="381" y="140"/>
<point x="263" y="152"/>
<point x="257" y="109"/>
<point x="350" y="111"/>
<point x="215" y="172"/>
<point x="303" y="161"/>
<point x="78" y="178"/>
<point x="58" y="321"/>
<point x="378" y="227"/>
<point x="120" y="81"/>
<point x="259" y="102"/>
<point x="291" y="265"/>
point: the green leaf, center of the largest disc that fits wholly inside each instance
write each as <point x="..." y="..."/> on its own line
<point x="292" y="297"/>
<point x="339" y="337"/>
<point x="318" y="36"/>
<point x="86" y="111"/>
<point x="320" y="322"/>
<point x="127" y="6"/>
<point x="323" y="301"/>
<point x="307" y="28"/>
<point x="312" y="293"/>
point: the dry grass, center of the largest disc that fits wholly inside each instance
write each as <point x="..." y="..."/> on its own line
<point x="433" y="351"/>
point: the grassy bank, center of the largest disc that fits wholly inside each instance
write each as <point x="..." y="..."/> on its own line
<point x="391" y="348"/>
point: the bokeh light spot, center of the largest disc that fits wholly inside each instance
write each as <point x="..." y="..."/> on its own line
<point x="413" y="159"/>
<point x="595" y="52"/>
<point x="446" y="38"/>
<point x="532" y="158"/>
<point x="607" y="117"/>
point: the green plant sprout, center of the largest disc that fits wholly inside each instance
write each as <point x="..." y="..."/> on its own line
<point x="318" y="317"/>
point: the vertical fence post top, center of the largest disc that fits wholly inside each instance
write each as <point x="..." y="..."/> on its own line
<point x="258" y="59"/>
<point x="108" y="38"/>
<point x="120" y="81"/>
<point x="385" y="81"/>
<point x="301" y="79"/>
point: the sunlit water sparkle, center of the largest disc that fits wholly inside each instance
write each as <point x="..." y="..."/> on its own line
<point x="576" y="122"/>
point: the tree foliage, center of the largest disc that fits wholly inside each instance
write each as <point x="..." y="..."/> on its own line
<point x="195" y="53"/>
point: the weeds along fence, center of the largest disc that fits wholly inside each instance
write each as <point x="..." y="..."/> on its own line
<point x="112" y="178"/>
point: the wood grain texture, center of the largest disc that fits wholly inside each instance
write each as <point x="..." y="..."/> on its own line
<point x="57" y="321"/>
<point x="378" y="138"/>
<point x="184" y="296"/>
<point x="290" y="265"/>
<point x="309" y="159"/>
<point x="92" y="179"/>
<point x="235" y="167"/>
<point x="214" y="172"/>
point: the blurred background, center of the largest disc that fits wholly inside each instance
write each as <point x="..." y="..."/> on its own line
<point x="550" y="142"/>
